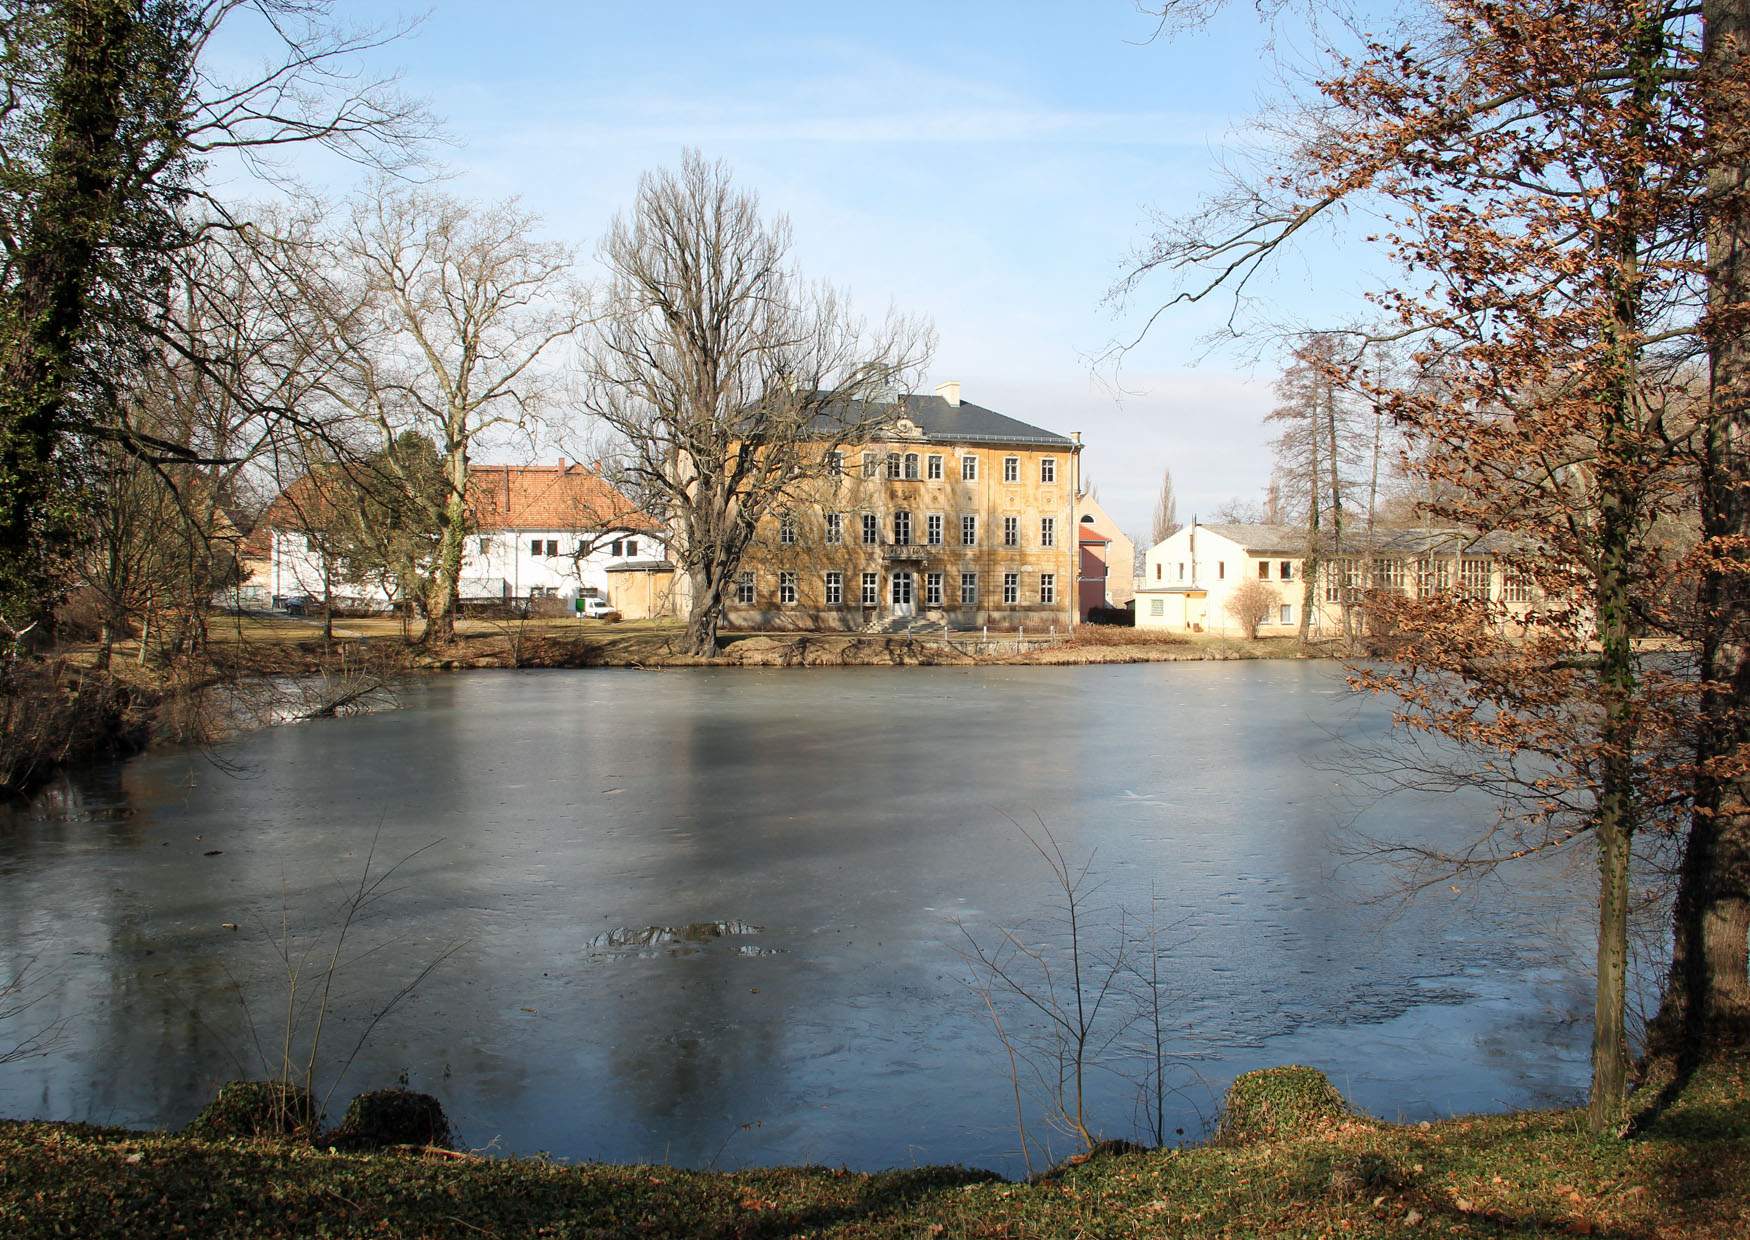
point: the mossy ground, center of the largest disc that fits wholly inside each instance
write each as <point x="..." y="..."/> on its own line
<point x="1531" y="1174"/>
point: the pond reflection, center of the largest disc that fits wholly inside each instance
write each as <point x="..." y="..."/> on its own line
<point x="556" y="825"/>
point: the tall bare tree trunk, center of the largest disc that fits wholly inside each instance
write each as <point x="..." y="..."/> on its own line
<point x="1706" y="1008"/>
<point x="1309" y="568"/>
<point x="1336" y="505"/>
<point x="1615" y="826"/>
<point x="440" y="624"/>
<point x="1617" y="809"/>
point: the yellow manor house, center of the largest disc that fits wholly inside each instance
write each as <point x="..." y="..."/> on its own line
<point x="954" y="515"/>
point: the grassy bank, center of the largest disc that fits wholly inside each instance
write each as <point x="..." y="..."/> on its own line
<point x="59" y="711"/>
<point x="282" y="644"/>
<point x="1531" y="1174"/>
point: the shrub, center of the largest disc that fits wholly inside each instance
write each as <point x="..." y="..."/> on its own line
<point x="1251" y="605"/>
<point x="1276" y="1104"/>
<point x="256" y="1109"/>
<point x="385" y="1117"/>
<point x="1123" y="616"/>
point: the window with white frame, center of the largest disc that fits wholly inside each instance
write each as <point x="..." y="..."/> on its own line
<point x="1263" y="570"/>
<point x="1285" y="614"/>
<point x="933" y="529"/>
<point x="871" y="590"/>
<point x="1473" y="578"/>
<point x="1157" y="607"/>
<point x="835" y="589"/>
<point x="534" y="546"/>
<point x="1285" y="570"/>
<point x="932" y="589"/>
<point x="631" y="546"/>
<point x="835" y="463"/>
<point x="1433" y="575"/>
<point x="969" y="469"/>
<point x="1515" y="586"/>
<point x="486" y="545"/>
<point x="787" y="528"/>
<point x="1011" y="469"/>
<point x="969" y="589"/>
<point x="835" y="528"/>
<point x="786" y="587"/>
<point x="1047" y="469"/>
<point x="744" y="588"/>
<point x="1011" y="531"/>
<point x="934" y="467"/>
<point x="1048" y="531"/>
<point x="1011" y="588"/>
<point x="1048" y="587"/>
<point x="902" y="528"/>
<point x="1388" y="575"/>
<point x="1181" y="570"/>
<point x="893" y="462"/>
<point x="1333" y="575"/>
<point x="871" y="530"/>
<point x="969" y="531"/>
<point x="870" y="466"/>
<point x="911" y="466"/>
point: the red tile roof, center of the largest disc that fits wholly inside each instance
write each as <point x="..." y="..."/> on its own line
<point x="549" y="497"/>
<point x="500" y="497"/>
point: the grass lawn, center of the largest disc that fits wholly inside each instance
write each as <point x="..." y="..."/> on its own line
<point x="1531" y="1174"/>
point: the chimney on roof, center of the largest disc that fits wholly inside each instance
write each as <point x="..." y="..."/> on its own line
<point x="561" y="464"/>
<point x="950" y="392"/>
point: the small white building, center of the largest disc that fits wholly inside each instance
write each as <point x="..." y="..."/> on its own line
<point x="1189" y="578"/>
<point x="536" y="532"/>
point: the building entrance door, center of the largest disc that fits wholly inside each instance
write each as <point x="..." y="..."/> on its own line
<point x="904" y="597"/>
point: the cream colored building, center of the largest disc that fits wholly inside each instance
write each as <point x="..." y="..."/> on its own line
<point x="1108" y="557"/>
<point x="1189" y="578"/>
<point x="952" y="515"/>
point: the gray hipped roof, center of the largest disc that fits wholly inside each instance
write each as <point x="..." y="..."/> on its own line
<point x="941" y="422"/>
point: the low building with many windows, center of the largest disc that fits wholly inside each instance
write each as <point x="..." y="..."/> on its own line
<point x="535" y="532"/>
<point x="1189" y="578"/>
<point x="953" y="514"/>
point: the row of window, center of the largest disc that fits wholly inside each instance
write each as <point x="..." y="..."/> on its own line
<point x="1433" y="575"/>
<point x="903" y="530"/>
<point x="1284" y="614"/>
<point x="905" y="466"/>
<point x="550" y="546"/>
<point x="1348" y="579"/>
<point x="901" y="589"/>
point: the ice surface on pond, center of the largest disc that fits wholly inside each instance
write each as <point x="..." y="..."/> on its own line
<point x="583" y="832"/>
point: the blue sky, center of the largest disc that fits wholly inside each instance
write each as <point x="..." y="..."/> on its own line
<point x="988" y="165"/>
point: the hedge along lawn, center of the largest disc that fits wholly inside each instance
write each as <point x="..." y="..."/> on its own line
<point x="1532" y="1174"/>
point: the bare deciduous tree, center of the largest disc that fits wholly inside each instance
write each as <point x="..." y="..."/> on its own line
<point x="443" y="318"/>
<point x="723" y="379"/>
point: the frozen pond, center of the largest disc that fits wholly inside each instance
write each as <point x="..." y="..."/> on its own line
<point x="582" y="826"/>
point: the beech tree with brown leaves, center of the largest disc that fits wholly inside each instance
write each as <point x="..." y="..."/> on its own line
<point x="1548" y="167"/>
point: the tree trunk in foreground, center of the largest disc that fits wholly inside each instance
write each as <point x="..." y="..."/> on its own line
<point x="48" y="303"/>
<point x="1706" y="1007"/>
